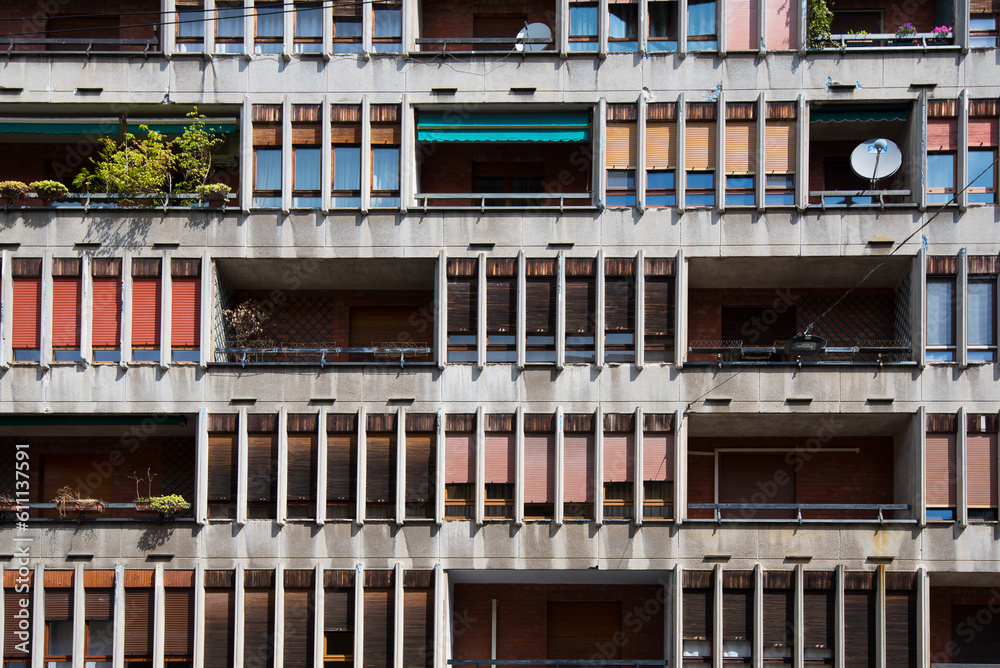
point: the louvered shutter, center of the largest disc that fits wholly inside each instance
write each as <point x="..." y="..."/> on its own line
<point x="941" y="470"/>
<point x="98" y="603"/>
<point x="58" y="604"/>
<point x="378" y="628"/>
<point x="462" y="304"/>
<point x="298" y="647"/>
<point x="942" y="134"/>
<point x="139" y="615"/>
<point x="741" y="147"/>
<point x="983" y="6"/>
<point x="220" y="631"/>
<point x="818" y="612"/>
<point x="621" y="146"/>
<point x="27" y="312"/>
<point x="178" y="639"/>
<point x="779" y="609"/>
<point x="658" y="457"/>
<point x="619" y="303"/>
<point x="107" y="309"/>
<point x="619" y="457"/>
<point x="697" y="622"/>
<point x="338" y="609"/>
<point x="258" y="628"/>
<point x="581" y="306"/>
<point x="901" y="629"/>
<point x="307" y="134"/>
<point x="146" y="311"/>
<point x="779" y="148"/>
<point x="66" y="311"/>
<point x="420" y="467"/>
<point x="661" y="146"/>
<point x="499" y="458"/>
<point x="539" y="468"/>
<point x="301" y="467"/>
<point x="699" y="152"/>
<point x="185" y="311"/>
<point x="222" y="467"/>
<point x="540" y="298"/>
<point x="11" y="604"/>
<point x="982" y="468"/>
<point x="418" y="628"/>
<point x="460" y="458"/>
<point x="381" y="468"/>
<point x="741" y="27"/>
<point x="342" y="466"/>
<point x="737" y="614"/>
<point x="982" y="132"/>
<point x="501" y="304"/>
<point x="859" y="620"/>
<point x="578" y="468"/>
<point x="659" y="305"/>
<point x="262" y="461"/>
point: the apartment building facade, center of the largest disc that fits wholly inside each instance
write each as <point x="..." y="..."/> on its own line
<point x="483" y="358"/>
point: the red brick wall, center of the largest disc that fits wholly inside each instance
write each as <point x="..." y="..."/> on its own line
<point x="522" y="618"/>
<point x="453" y="18"/>
<point x="942" y="599"/>
<point x="135" y="22"/>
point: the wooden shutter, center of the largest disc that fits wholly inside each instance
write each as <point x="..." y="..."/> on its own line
<point x="220" y="632"/>
<point x="381" y="468"/>
<point x="98" y="603"/>
<point x="982" y="468"/>
<point x="266" y="119"/>
<point x="619" y="303"/>
<point x="299" y="624"/>
<point x="460" y="458"/>
<point x="185" y="312"/>
<point x="697" y="605"/>
<point x="463" y="300"/>
<point x="378" y="628"/>
<point x="941" y="470"/>
<point x="107" y="309"/>
<point x="901" y="629"/>
<point x="421" y="466"/>
<point x="983" y="6"/>
<point x="418" y="628"/>
<point x="539" y="468"/>
<point x="779" y="609"/>
<point x="658" y="457"/>
<point x="661" y="146"/>
<point x="818" y="613"/>
<point x="621" y="143"/>
<point x="139" y="617"/>
<point x="741" y="148"/>
<point x="581" y="304"/>
<point x="342" y="466"/>
<point x="737" y="605"/>
<point x="338" y="607"/>
<point x="146" y="311"/>
<point x="540" y="300"/>
<point x="11" y="604"/>
<point x="345" y="133"/>
<point x="258" y="628"/>
<point x="58" y="604"/>
<point x="659" y="305"/>
<point x="27" y="312"/>
<point x="262" y="460"/>
<point x="307" y="134"/>
<point x="942" y="134"/>
<point x="741" y="27"/>
<point x="699" y="152"/>
<point x="859" y="619"/>
<point x="578" y="468"/>
<point x="499" y="458"/>
<point x="779" y="147"/>
<point x="302" y="457"/>
<point x="222" y="466"/>
<point x="982" y="132"/>
<point x="66" y="311"/>
<point x="619" y="457"/>
<point x="178" y="639"/>
<point x="782" y="25"/>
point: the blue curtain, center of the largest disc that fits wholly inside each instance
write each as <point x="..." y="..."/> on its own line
<point x="701" y="17"/>
<point x="347" y="168"/>
<point x="583" y="20"/>
<point x="190" y="22"/>
<point x="268" y="169"/>
<point x="385" y="169"/>
<point x="307" y="169"/>
<point x="270" y="20"/>
<point x="940" y="312"/>
<point x="387" y="23"/>
<point x="981" y="300"/>
<point x="309" y="22"/>
<point x="230" y="23"/>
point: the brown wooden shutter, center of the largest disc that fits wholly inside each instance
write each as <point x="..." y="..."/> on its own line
<point x="499" y="457"/>
<point x="378" y="628"/>
<point x="780" y="147"/>
<point x="460" y="458"/>
<point x="737" y="605"/>
<point x="941" y="470"/>
<point x="658" y="457"/>
<point x="982" y="468"/>
<point x="258" y="628"/>
<point x="901" y="629"/>
<point x="58" y="604"/>
<point x="381" y="468"/>
<point x="659" y="305"/>
<point x="139" y="615"/>
<point x="185" y="312"/>
<point x="262" y="460"/>
<point x="699" y="152"/>
<point x="581" y="304"/>
<point x="338" y="601"/>
<point x="146" y="311"/>
<point x="463" y="300"/>
<point x="27" y="312"/>
<point x="418" y="627"/>
<point x="619" y="303"/>
<point x="621" y="143"/>
<point x="697" y="605"/>
<point x="578" y="468"/>
<point x="222" y="466"/>
<point x="107" y="309"/>
<point x="741" y="148"/>
<point x="859" y="619"/>
<point x="661" y="146"/>
<point x="267" y="134"/>
<point x="540" y="296"/>
<point x="98" y="603"/>
<point x="302" y="455"/>
<point x="982" y="132"/>
<point x="619" y="457"/>
<point x="299" y="625"/>
<point x="220" y="621"/>
<point x="501" y="304"/>
<point x="539" y="468"/>
<point x="983" y="6"/>
<point x="66" y="311"/>
<point x="779" y="609"/>
<point x="11" y="604"/>
<point x="942" y="134"/>
<point x="178" y="639"/>
<point x="421" y="466"/>
<point x="342" y="466"/>
<point x="818" y="609"/>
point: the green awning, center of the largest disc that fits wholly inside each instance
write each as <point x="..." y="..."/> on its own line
<point x="97" y="127"/>
<point x="453" y="126"/>
<point x="178" y="128"/>
<point x="859" y="114"/>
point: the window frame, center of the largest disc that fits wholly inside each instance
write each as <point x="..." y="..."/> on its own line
<point x="710" y="40"/>
<point x="629" y="43"/>
<point x="304" y="43"/>
<point x="984" y="352"/>
<point x="943" y="352"/>
<point x="266" y="193"/>
<point x="590" y="41"/>
<point x="185" y="17"/>
<point x="939" y="194"/>
<point x="387" y="43"/>
<point x="299" y="194"/>
<point x="690" y="193"/>
<point x="234" y="15"/>
<point x="669" y="194"/>
<point x="985" y="194"/>
<point x="979" y="35"/>
<point x="662" y="43"/>
<point x="276" y="41"/>
<point x="621" y="197"/>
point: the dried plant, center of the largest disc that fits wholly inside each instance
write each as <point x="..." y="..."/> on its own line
<point x="246" y="321"/>
<point x="66" y="496"/>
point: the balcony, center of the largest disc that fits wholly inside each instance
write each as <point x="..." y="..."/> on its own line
<point x="324" y="312"/>
<point x="504" y="159"/>
<point x="742" y="310"/>
<point x="802" y="469"/>
<point x="865" y="25"/>
<point x="453" y="26"/>
<point x="81" y="26"/>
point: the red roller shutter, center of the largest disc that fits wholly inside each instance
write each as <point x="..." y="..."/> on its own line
<point x="658" y="457"/>
<point x="619" y="457"/>
<point x="107" y="327"/>
<point x="499" y="459"/>
<point x="27" y="312"/>
<point x="942" y="134"/>
<point x="185" y="312"/>
<point x="539" y="468"/>
<point x="146" y="312"/>
<point x="982" y="132"/>
<point x="460" y="458"/>
<point x="940" y="470"/>
<point x="578" y="468"/>
<point x="741" y="25"/>
<point x="66" y="311"/>
<point x="982" y="468"/>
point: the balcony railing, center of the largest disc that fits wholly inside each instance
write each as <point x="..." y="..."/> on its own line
<point x="91" y="515"/>
<point x="735" y="352"/>
<point x="127" y="200"/>
<point x="85" y="45"/>
<point x="859" y="198"/>
<point x="878" y="508"/>
<point x="494" y="44"/>
<point x="920" y="40"/>
<point x="388" y="353"/>
<point x="522" y="201"/>
<point x="607" y="663"/>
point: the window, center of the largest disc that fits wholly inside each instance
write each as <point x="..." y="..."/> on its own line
<point x="940" y="319"/>
<point x="220" y="618"/>
<point x="299" y="618"/>
<point x="581" y="310"/>
<point x="741" y="155"/>
<point x="66" y="292"/>
<point x="338" y="617"/>
<point x="661" y="154"/>
<point x="146" y="291"/>
<point x="380" y="485"/>
<point x="983" y="319"/>
<point x="267" y="139"/>
<point x="262" y="459"/>
<point x="583" y="26"/>
<point x="982" y="172"/>
<point x="660" y="189"/>
<point x="223" y="464"/>
<point x="742" y="33"/>
<point x="737" y="616"/>
<point x="421" y="464"/>
<point x="621" y="187"/>
<point x="385" y="139"/>
<point x="940" y="466"/>
<point x="982" y="29"/>
<point x="463" y="299"/>
<point x="460" y="466"/>
<point x="619" y="310"/>
<point x="621" y="154"/>
<point x="229" y="27"/>
<point x="387" y="26"/>
<point x="662" y="26"/>
<point x="178" y="609"/>
<point x="701" y="189"/>
<point x="58" y="619"/>
<point x="501" y="310"/>
<point x="539" y="465"/>
<point x="190" y="26"/>
<point x="942" y="145"/>
<point x="657" y="467"/>
<point x="578" y="467"/>
<point x="342" y="466"/>
<point x="701" y="26"/>
<point x="700" y="157"/>
<point x="780" y="151"/>
<point x="623" y="19"/>
<point x="658" y="337"/>
<point x="498" y="466"/>
<point x="697" y="600"/>
<point x="106" y="328"/>
<point x="185" y="310"/>
<point x="270" y="20"/>
<point x="619" y="466"/>
<point x="940" y="177"/>
<point x="308" y="27"/>
<point x="27" y="309"/>
<point x="346" y="138"/>
<point x="540" y="299"/>
<point x="347" y="31"/>
<point x="306" y="167"/>
<point x="139" y="616"/>
<point x="302" y="466"/>
<point x="981" y="453"/>
<point x="99" y="623"/>
<point x="258" y="618"/>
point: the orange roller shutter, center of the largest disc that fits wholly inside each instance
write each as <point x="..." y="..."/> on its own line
<point x="107" y="327"/>
<point x="982" y="132"/>
<point x="699" y="153"/>
<point x="942" y="134"/>
<point x="658" y="457"/>
<point x="66" y="311"/>
<point x="779" y="148"/>
<point x="539" y="468"/>
<point x="499" y="458"/>
<point x="459" y="463"/>
<point x="741" y="148"/>
<point x="146" y="312"/>
<point x="185" y="312"/>
<point x="782" y="24"/>
<point x="621" y="142"/>
<point x="741" y="25"/>
<point x="578" y="468"/>
<point x="982" y="467"/>
<point x="661" y="145"/>
<point x="27" y="313"/>
<point x="940" y="470"/>
<point x="619" y="456"/>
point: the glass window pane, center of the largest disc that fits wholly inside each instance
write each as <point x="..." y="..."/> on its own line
<point x="622" y="20"/>
<point x="100" y="638"/>
<point x="583" y="20"/>
<point x="230" y="23"/>
<point x="346" y="168"/>
<point x="621" y="178"/>
<point x="780" y="180"/>
<point x="385" y="169"/>
<point x="982" y="324"/>
<point x="741" y="182"/>
<point x="941" y="170"/>
<point x="307" y="169"/>
<point x="387" y="23"/>
<point x="660" y="180"/>
<point x="190" y="23"/>
<point x="308" y="22"/>
<point x="347" y="28"/>
<point x="982" y="170"/>
<point x="940" y="312"/>
<point x="982" y="22"/>
<point x="268" y="169"/>
<point x="60" y="638"/>
<point x="701" y="180"/>
<point x="661" y="20"/>
<point x="270" y="21"/>
<point x="701" y="17"/>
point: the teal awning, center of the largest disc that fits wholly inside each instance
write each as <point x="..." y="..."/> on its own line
<point x="499" y="127"/>
<point x="859" y="114"/>
<point x="99" y="128"/>
<point x="178" y="128"/>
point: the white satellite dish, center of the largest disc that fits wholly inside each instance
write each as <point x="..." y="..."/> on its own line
<point x="876" y="159"/>
<point x="532" y="31"/>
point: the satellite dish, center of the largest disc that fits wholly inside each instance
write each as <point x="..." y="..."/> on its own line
<point x="533" y="31"/>
<point x="876" y="159"/>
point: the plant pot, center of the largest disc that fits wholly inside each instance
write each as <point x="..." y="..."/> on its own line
<point x="78" y="507"/>
<point x="144" y="507"/>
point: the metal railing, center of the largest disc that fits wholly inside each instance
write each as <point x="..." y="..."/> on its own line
<point x="889" y="39"/>
<point x="731" y="350"/>
<point x="510" y="43"/>
<point x="608" y="663"/>
<point x="131" y="200"/>
<point x="870" y="198"/>
<point x="86" y="45"/>
<point x="530" y="200"/>
<point x="881" y="508"/>
<point x="293" y="356"/>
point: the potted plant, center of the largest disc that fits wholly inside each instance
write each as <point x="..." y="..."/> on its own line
<point x="820" y="19"/>
<point x="942" y="35"/>
<point x="215" y="194"/>
<point x="49" y="191"/>
<point x="13" y="192"/>
<point x="862" y="38"/>
<point x="7" y="503"/>
<point x="903" y="33"/>
<point x="166" y="505"/>
<point x="68" y="500"/>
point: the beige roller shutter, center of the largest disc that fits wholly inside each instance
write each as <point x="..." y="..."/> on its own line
<point x="621" y="146"/>
<point x="661" y="146"/>
<point x="741" y="148"/>
<point x="779" y="148"/>
<point x="699" y="151"/>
